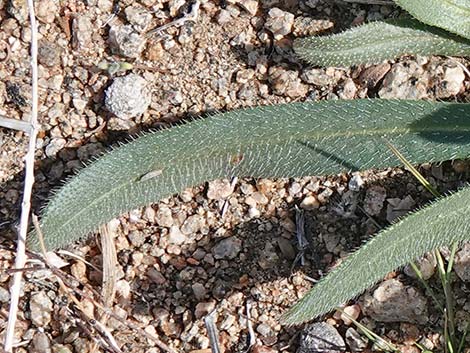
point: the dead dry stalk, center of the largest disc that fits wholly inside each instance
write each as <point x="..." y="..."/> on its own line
<point x="20" y="259"/>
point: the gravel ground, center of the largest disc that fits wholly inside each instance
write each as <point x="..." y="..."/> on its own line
<point x="219" y="247"/>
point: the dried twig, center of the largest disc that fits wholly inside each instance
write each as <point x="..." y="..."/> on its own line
<point x="72" y="290"/>
<point x="15" y="124"/>
<point x="302" y="242"/>
<point x="107" y="338"/>
<point x="190" y="16"/>
<point x="20" y="259"/>
<point x="108" y="290"/>
<point x="212" y="332"/>
<point x="249" y="325"/>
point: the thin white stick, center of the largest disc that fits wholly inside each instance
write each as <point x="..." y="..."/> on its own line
<point x="191" y="16"/>
<point x="28" y="185"/>
<point x="15" y="124"/>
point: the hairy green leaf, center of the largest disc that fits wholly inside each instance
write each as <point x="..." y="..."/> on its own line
<point x="273" y="141"/>
<point x="378" y="41"/>
<point x="441" y="223"/>
<point x="452" y="15"/>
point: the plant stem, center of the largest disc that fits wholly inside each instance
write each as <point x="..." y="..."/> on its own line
<point x="20" y="259"/>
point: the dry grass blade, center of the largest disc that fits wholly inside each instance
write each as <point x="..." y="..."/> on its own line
<point x="211" y="328"/>
<point x="15" y="124"/>
<point x="108" y="291"/>
<point x="20" y="259"/>
<point x="413" y="170"/>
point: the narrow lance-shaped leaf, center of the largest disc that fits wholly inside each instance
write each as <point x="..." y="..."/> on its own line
<point x="275" y="141"/>
<point x="452" y="15"/>
<point x="442" y="223"/>
<point x="378" y="41"/>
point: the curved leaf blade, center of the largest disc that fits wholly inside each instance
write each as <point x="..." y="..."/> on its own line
<point x="452" y="15"/>
<point x="443" y="222"/>
<point x="377" y="41"/>
<point x="274" y="141"/>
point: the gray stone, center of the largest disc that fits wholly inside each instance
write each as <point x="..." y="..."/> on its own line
<point x="128" y="96"/>
<point x="268" y="257"/>
<point x="279" y="22"/>
<point x="317" y="77"/>
<point x="286" y="83"/>
<point x="355" y="341"/>
<point x="320" y="337"/>
<point x="4" y="295"/>
<point x="199" y="291"/>
<point x="164" y="216"/>
<point x="227" y="248"/>
<point x="251" y="6"/>
<point x="308" y="26"/>
<point x="49" y="53"/>
<point x="462" y="263"/>
<point x="394" y="302"/>
<point x="204" y="308"/>
<point x="452" y="82"/>
<point x="397" y="208"/>
<point x="139" y="17"/>
<point x="219" y="189"/>
<point x="61" y="348"/>
<point x="405" y="82"/>
<point x="125" y="41"/>
<point x="287" y="248"/>
<point x="192" y="224"/>
<point x="426" y="265"/>
<point x="41" y="308"/>
<point x="175" y="236"/>
<point x="46" y="10"/>
<point x="374" y="199"/>
<point x="54" y="146"/>
<point x="41" y="343"/>
<point x="19" y="10"/>
<point x="82" y="31"/>
<point x="349" y="89"/>
<point x="356" y="182"/>
<point x="264" y="330"/>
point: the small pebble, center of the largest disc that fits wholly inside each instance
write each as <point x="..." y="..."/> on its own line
<point x="199" y="291"/>
<point x="227" y="248"/>
<point x="82" y="31"/>
<point x="41" y="343"/>
<point x="374" y="199"/>
<point x="355" y="341"/>
<point x="204" y="308"/>
<point x="219" y="189"/>
<point x="392" y="301"/>
<point x="164" y="216"/>
<point x="175" y="236"/>
<point x="125" y="41"/>
<point x="139" y="17"/>
<point x="279" y="22"/>
<point x="41" y="308"/>
<point x="128" y="96"/>
<point x="462" y="263"/>
<point x="320" y="337"/>
<point x="49" y="53"/>
<point x="310" y="203"/>
<point x="251" y="6"/>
